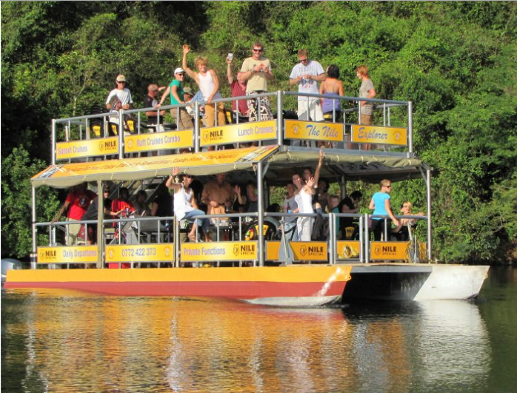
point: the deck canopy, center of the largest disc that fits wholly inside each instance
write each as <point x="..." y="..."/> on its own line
<point x="206" y="163"/>
<point x="281" y="163"/>
<point x="352" y="164"/>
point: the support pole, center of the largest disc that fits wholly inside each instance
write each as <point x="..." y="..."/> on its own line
<point x="100" y="224"/>
<point x="53" y="153"/>
<point x="279" y="118"/>
<point x="121" y="134"/>
<point x="429" y="227"/>
<point x="34" y="233"/>
<point x="410" y="125"/>
<point x="196" y="126"/>
<point x="260" y="185"/>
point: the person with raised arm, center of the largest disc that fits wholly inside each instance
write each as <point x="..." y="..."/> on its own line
<point x="185" y="206"/>
<point x="238" y="88"/>
<point x="208" y="83"/>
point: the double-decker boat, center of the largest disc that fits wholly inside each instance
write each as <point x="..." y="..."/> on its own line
<point x="250" y="257"/>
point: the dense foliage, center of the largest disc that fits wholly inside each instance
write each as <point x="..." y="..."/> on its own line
<point x="455" y="61"/>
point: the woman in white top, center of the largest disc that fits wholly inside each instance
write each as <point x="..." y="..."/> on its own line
<point x="185" y="205"/>
<point x="208" y="83"/>
<point x="303" y="197"/>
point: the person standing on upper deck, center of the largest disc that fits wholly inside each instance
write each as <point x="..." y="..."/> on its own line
<point x="175" y="89"/>
<point x="238" y="88"/>
<point x="208" y="83"/>
<point x="306" y="74"/>
<point x="150" y="101"/>
<point x="257" y="71"/>
<point x="381" y="204"/>
<point x="122" y="92"/>
<point x="365" y="91"/>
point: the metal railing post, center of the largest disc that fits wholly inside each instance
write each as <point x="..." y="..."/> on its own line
<point x="34" y="234"/>
<point x="280" y="118"/>
<point x="53" y="136"/>
<point x="361" y="239"/>
<point x="260" y="214"/>
<point x="121" y="134"/>
<point x="410" y="125"/>
<point x="196" y="126"/>
<point x="429" y="226"/>
<point x="366" y="239"/>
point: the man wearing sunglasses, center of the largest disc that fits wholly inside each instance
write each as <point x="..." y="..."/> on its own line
<point x="257" y="71"/>
<point x="306" y="74"/>
<point x="122" y="92"/>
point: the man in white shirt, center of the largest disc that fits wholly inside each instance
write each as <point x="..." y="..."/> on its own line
<point x="306" y="74"/>
<point x="122" y="92"/>
<point x="119" y="98"/>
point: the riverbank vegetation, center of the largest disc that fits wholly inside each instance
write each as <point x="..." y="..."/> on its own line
<point x="454" y="60"/>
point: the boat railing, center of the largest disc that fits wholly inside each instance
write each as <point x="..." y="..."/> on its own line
<point x="80" y="140"/>
<point x="229" y="228"/>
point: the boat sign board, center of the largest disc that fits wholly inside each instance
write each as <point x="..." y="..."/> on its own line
<point x="222" y="251"/>
<point x="239" y="133"/>
<point x="87" y="148"/>
<point x="84" y="254"/>
<point x="140" y="253"/>
<point x="380" y="135"/>
<point x="315" y="131"/>
<point x="381" y="251"/>
<point x="302" y="251"/>
<point x="348" y="249"/>
<point x="159" y="141"/>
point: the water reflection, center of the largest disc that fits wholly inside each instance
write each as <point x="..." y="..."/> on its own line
<point x="70" y="341"/>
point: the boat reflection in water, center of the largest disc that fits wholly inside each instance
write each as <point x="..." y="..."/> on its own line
<point x="79" y="342"/>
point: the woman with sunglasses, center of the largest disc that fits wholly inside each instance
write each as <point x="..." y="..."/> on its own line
<point x="380" y="204"/>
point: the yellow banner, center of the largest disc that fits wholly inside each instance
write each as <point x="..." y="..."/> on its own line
<point x="84" y="254"/>
<point x="140" y="252"/>
<point x="239" y="133"/>
<point x="310" y="251"/>
<point x="159" y="141"/>
<point x="377" y="134"/>
<point x="348" y="249"/>
<point x="223" y="251"/>
<point x="296" y="129"/>
<point x="392" y="250"/>
<point x="87" y="148"/>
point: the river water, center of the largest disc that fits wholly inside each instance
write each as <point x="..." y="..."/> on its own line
<point x="64" y="341"/>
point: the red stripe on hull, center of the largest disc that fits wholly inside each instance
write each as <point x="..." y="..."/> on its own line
<point x="228" y="289"/>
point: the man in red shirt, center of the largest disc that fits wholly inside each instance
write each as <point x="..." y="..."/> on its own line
<point x="76" y="204"/>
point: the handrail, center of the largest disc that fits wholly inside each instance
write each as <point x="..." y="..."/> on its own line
<point x="83" y="120"/>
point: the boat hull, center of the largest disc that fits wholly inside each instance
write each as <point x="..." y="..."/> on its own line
<point x="280" y="286"/>
<point x="418" y="282"/>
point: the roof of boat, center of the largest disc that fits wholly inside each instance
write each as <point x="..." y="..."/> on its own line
<point x="281" y="162"/>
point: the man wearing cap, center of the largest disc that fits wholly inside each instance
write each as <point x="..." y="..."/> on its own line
<point x="150" y="101"/>
<point x="175" y="88"/>
<point x="122" y="93"/>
